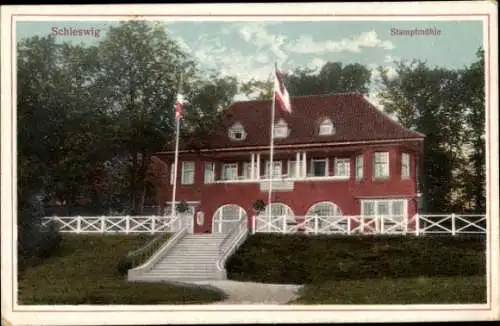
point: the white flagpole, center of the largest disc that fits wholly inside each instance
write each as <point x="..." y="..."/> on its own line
<point x="271" y="153"/>
<point x="173" y="210"/>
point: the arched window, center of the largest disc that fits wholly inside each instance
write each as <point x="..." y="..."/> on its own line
<point x="329" y="218"/>
<point x="227" y="217"/>
<point x="237" y="132"/>
<point x="324" y="208"/>
<point x="279" y="213"/>
<point x="326" y="128"/>
<point x="279" y="209"/>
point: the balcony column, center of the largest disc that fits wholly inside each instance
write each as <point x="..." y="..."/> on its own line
<point x="304" y="165"/>
<point x="297" y="165"/>
<point x="257" y="173"/>
<point x="252" y="166"/>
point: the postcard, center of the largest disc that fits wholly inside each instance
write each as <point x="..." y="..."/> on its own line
<point x="249" y="163"/>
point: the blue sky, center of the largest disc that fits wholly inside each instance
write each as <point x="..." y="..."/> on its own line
<point x="248" y="49"/>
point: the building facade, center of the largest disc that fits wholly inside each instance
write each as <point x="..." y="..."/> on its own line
<point x="334" y="155"/>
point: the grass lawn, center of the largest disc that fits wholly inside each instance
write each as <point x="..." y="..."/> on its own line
<point x="84" y="271"/>
<point x="417" y="290"/>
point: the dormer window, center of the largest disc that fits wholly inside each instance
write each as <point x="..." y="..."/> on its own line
<point x="237" y="132"/>
<point x="281" y="129"/>
<point x="326" y="128"/>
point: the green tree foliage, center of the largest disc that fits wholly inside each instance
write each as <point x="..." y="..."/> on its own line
<point x="89" y="115"/>
<point x="443" y="104"/>
<point x="473" y="97"/>
<point x="332" y="78"/>
<point x="207" y="102"/>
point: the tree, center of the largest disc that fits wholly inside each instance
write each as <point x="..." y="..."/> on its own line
<point x="429" y="100"/>
<point x="258" y="89"/>
<point x="137" y="82"/>
<point x="332" y="78"/>
<point x="207" y="101"/>
<point x="474" y="101"/>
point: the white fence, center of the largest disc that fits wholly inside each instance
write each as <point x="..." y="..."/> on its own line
<point x="452" y="224"/>
<point x="361" y="224"/>
<point x="116" y="224"/>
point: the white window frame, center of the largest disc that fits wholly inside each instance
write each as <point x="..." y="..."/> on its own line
<point x="237" y="128"/>
<point x="405" y="165"/>
<point x="314" y="160"/>
<point x="359" y="167"/>
<point x="390" y="202"/>
<point x="386" y="170"/>
<point x="247" y="170"/>
<point x="281" y="129"/>
<point x="184" y="179"/>
<point x="326" y="128"/>
<point x="343" y="161"/>
<point x="226" y="166"/>
<point x="275" y="164"/>
<point x="210" y="168"/>
<point x="291" y="168"/>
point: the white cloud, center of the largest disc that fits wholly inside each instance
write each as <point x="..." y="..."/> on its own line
<point x="316" y="64"/>
<point x="305" y="44"/>
<point x="182" y="44"/>
<point x="258" y="35"/>
<point x="212" y="53"/>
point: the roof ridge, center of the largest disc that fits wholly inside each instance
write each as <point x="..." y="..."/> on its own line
<point x="354" y="93"/>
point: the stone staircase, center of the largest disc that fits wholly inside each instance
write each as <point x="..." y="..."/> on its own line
<point x="193" y="258"/>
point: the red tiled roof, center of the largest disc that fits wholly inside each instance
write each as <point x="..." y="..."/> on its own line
<point x="353" y="117"/>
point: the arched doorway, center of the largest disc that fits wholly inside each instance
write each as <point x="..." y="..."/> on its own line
<point x="227" y="217"/>
<point x="324" y="208"/>
<point x="280" y="213"/>
<point x="330" y="217"/>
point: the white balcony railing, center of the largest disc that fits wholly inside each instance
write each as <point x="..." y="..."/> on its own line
<point x="284" y="177"/>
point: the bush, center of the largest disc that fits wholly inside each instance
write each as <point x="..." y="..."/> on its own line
<point x="123" y="265"/>
<point x="35" y="242"/>
<point x="302" y="259"/>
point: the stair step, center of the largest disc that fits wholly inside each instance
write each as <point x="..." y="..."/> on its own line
<point x="187" y="271"/>
<point x="181" y="275"/>
<point x="193" y="254"/>
<point x="186" y="262"/>
<point x="170" y="279"/>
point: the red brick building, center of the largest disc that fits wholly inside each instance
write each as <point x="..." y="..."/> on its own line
<point x="334" y="155"/>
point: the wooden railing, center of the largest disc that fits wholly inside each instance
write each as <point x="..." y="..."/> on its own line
<point x="452" y="224"/>
<point x="116" y="224"/>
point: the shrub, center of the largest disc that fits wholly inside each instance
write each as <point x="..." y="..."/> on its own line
<point x="35" y="242"/>
<point x="303" y="259"/>
<point x="123" y="265"/>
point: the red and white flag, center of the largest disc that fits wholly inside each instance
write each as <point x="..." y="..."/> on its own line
<point x="179" y="104"/>
<point x="281" y="93"/>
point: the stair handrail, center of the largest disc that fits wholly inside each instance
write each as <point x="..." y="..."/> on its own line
<point x="230" y="234"/>
<point x="236" y="235"/>
<point x="139" y="256"/>
<point x="158" y="254"/>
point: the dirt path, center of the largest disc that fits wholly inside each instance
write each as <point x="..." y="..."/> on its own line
<point x="254" y="293"/>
